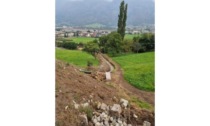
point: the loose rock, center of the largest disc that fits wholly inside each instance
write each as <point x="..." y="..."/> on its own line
<point x="115" y="99"/>
<point x="104" y="107"/>
<point x="123" y="102"/>
<point x="116" y="108"/>
<point x="106" y="123"/>
<point x="98" y="105"/>
<point x="83" y="119"/>
<point x="76" y="106"/>
<point x="66" y="107"/>
<point x="98" y="124"/>
<point x="94" y="120"/>
<point x="85" y="105"/>
<point x="103" y="116"/>
<point x="135" y="116"/>
<point x="119" y="121"/>
<point x="124" y="124"/>
<point x="146" y="123"/>
<point x="96" y="113"/>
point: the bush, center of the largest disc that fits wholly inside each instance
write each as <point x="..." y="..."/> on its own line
<point x="59" y="44"/>
<point x="81" y="45"/>
<point x="144" y="43"/>
<point x="89" y="63"/>
<point x="70" y="45"/>
<point x="67" y="45"/>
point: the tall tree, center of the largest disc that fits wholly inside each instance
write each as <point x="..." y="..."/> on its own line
<point x="122" y="17"/>
<point x="124" y="21"/>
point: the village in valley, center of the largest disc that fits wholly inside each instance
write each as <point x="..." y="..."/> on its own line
<point x="66" y="31"/>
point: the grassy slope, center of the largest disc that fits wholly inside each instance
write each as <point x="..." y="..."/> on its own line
<point x="75" y="57"/>
<point x="138" y="69"/>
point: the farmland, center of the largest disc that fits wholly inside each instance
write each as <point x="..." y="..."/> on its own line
<point x="130" y="37"/>
<point x="78" y="39"/>
<point x="88" y="39"/>
<point x="138" y="69"/>
<point x="75" y="57"/>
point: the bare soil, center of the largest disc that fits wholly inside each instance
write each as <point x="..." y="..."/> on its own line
<point x="71" y="84"/>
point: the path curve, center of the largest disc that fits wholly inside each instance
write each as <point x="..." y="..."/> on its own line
<point x="117" y="78"/>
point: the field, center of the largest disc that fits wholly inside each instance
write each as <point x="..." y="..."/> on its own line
<point x="78" y="39"/>
<point x="138" y="69"/>
<point x="88" y="39"/>
<point x="75" y="57"/>
<point x="129" y="36"/>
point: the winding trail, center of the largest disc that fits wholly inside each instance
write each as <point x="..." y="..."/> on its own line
<point x="117" y="78"/>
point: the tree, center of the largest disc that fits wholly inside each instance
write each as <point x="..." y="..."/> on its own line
<point x="111" y="43"/>
<point x="122" y="17"/>
<point x="114" y="43"/>
<point x="102" y="42"/>
<point x="148" y="41"/>
<point x="136" y="47"/>
<point x="127" y="45"/>
<point x="92" y="47"/>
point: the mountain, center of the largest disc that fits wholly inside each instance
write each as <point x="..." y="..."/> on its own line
<point x="104" y="12"/>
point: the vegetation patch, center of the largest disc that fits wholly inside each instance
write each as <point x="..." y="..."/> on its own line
<point x="88" y="111"/>
<point x="75" y="57"/>
<point x="77" y="39"/>
<point x="130" y="36"/>
<point x="138" y="69"/>
<point x="142" y="104"/>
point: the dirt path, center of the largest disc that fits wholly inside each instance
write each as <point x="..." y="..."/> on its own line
<point x="104" y="66"/>
<point x="117" y="78"/>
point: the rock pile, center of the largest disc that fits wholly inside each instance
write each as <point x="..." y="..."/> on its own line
<point x="108" y="115"/>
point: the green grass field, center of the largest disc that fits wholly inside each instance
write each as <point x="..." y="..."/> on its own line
<point x="78" y="39"/>
<point x="75" y="57"/>
<point x="130" y="37"/>
<point x="138" y="69"/>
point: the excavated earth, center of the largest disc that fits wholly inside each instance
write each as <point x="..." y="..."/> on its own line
<point x="75" y="87"/>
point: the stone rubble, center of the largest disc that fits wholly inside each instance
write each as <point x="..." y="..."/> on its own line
<point x="106" y="115"/>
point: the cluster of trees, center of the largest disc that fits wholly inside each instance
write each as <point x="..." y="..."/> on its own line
<point x="67" y="45"/>
<point x="144" y="43"/>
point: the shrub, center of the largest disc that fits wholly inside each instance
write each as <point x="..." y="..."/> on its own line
<point x="66" y="44"/>
<point x="70" y="45"/>
<point x="59" y="44"/>
<point x="89" y="63"/>
<point x="88" y="110"/>
<point x="81" y="45"/>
